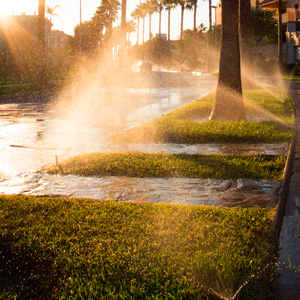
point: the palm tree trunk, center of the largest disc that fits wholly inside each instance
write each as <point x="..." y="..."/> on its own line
<point x="280" y="42"/>
<point x="123" y="21"/>
<point x="159" y="29"/>
<point x="143" y="30"/>
<point x="209" y="15"/>
<point x="150" y="33"/>
<point x="228" y="104"/>
<point x="138" y="32"/>
<point x="123" y="34"/>
<point x="42" y="69"/>
<point x="246" y="45"/>
<point x="169" y="22"/>
<point x="195" y="15"/>
<point x="182" y="16"/>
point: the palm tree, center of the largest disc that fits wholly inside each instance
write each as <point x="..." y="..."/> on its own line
<point x="50" y="11"/>
<point x="151" y="7"/>
<point x="42" y="76"/>
<point x="169" y="4"/>
<point x="184" y="4"/>
<point x="108" y="12"/>
<point x="228" y="104"/>
<point x="160" y="7"/>
<point x="143" y="13"/>
<point x="124" y="22"/>
<point x="130" y="27"/>
<point x="136" y="16"/>
<point x="195" y="4"/>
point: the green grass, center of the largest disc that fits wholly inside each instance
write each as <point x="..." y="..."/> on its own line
<point x="293" y="76"/>
<point x="54" y="248"/>
<point x="190" y="124"/>
<point x="137" y="164"/>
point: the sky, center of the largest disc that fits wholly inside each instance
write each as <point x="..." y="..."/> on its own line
<point x="69" y="14"/>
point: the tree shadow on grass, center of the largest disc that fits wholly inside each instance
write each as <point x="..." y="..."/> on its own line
<point x="24" y="276"/>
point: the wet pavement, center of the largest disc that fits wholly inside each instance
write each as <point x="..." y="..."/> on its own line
<point x="287" y="284"/>
<point x="186" y="191"/>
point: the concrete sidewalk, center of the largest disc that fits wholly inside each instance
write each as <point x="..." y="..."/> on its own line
<point x="287" y="285"/>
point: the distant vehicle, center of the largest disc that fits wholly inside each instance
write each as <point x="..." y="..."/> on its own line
<point x="144" y="66"/>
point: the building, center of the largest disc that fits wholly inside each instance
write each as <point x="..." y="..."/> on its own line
<point x="58" y="39"/>
<point x="29" y="24"/>
<point x="290" y="27"/>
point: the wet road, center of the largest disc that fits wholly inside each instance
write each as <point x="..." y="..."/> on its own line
<point x="33" y="134"/>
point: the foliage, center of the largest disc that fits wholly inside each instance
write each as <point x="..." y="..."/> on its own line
<point x="216" y="36"/>
<point x="90" y="37"/>
<point x="137" y="164"/>
<point x="19" y="51"/>
<point x="189" y="49"/>
<point x="263" y="25"/>
<point x="56" y="248"/>
<point x="190" y="124"/>
<point x="156" y="50"/>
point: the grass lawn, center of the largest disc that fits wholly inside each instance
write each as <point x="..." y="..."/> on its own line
<point x="137" y="164"/>
<point x="190" y="124"/>
<point x="56" y="248"/>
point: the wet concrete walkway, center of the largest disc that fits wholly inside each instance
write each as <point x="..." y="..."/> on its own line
<point x="287" y="285"/>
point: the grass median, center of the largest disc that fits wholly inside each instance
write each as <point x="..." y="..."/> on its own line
<point x="270" y="121"/>
<point x="138" y="164"/>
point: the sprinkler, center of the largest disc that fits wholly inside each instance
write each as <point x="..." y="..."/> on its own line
<point x="57" y="164"/>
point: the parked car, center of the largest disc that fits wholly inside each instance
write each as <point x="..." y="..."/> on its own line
<point x="144" y="66"/>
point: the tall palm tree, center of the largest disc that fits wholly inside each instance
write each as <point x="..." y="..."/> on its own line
<point x="136" y="16"/>
<point x="51" y="12"/>
<point x="142" y="8"/>
<point x="228" y="104"/>
<point x="169" y="4"/>
<point x="42" y="76"/>
<point x="184" y="4"/>
<point x="151" y="7"/>
<point x="109" y="13"/>
<point x="123" y="22"/>
<point x="130" y="27"/>
<point x="106" y="14"/>
<point x="195" y="5"/>
<point x="160" y="8"/>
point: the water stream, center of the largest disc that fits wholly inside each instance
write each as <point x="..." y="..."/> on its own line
<point x="34" y="135"/>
